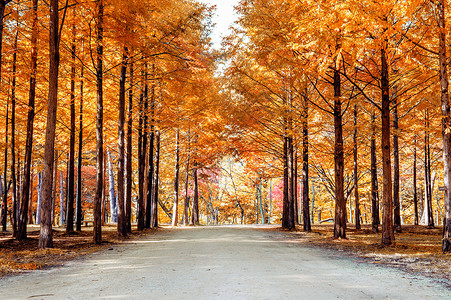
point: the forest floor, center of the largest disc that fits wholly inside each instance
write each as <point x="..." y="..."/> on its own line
<point x="222" y="262"/>
<point x="417" y="249"/>
<point x="17" y="257"/>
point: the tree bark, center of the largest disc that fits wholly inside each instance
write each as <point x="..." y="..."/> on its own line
<point x="97" y="234"/>
<point x="388" y="235"/>
<point x="356" y="174"/>
<point x="176" y="180"/>
<point x="121" y="222"/>
<point x="71" y="172"/>
<point x="62" y="213"/>
<point x="340" y="202"/>
<point x="446" y="120"/>
<point x="151" y="166"/>
<point x="156" y="182"/>
<point x="5" y="174"/>
<point x="305" y="167"/>
<point x="27" y="186"/>
<point x="427" y="173"/>
<point x="112" y="193"/>
<point x="13" y="137"/>
<point x="415" y="193"/>
<point x="129" y="154"/>
<point x="195" y="209"/>
<point x="374" y="184"/>
<point x="80" y="153"/>
<point x="396" y="201"/>
<point x="141" y="162"/>
<point x="186" y="204"/>
<point x="46" y="235"/>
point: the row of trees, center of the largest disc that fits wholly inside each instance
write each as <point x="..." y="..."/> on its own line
<point x="138" y="72"/>
<point x="334" y="76"/>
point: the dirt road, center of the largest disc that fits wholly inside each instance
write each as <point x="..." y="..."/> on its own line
<point x="227" y="262"/>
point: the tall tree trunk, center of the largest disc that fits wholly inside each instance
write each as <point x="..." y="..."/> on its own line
<point x="55" y="182"/>
<point x="186" y="204"/>
<point x="146" y="154"/>
<point x="121" y="224"/>
<point x="305" y="167"/>
<point x="195" y="209"/>
<point x="286" y="206"/>
<point x="291" y="224"/>
<point x="46" y="235"/>
<point x="62" y="214"/>
<point x="3" y="4"/>
<point x="129" y="155"/>
<point x="141" y="162"/>
<point x="428" y="180"/>
<point x="27" y="186"/>
<point x="97" y="234"/>
<point x="270" y="201"/>
<point x="71" y="181"/>
<point x="151" y="166"/>
<point x="112" y="193"/>
<point x="446" y="123"/>
<point x="388" y="235"/>
<point x="176" y="180"/>
<point x="80" y="153"/>
<point x="396" y="201"/>
<point x="39" y="200"/>
<point x="356" y="174"/>
<point x="13" y="137"/>
<point x="340" y="201"/>
<point x="156" y="182"/>
<point x="415" y="193"/>
<point x="374" y="184"/>
<point x="5" y="174"/>
<point x="295" y="189"/>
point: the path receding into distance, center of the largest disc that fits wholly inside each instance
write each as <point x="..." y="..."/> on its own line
<point x="224" y="262"/>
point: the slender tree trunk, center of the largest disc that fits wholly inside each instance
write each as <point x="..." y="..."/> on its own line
<point x="55" y="182"/>
<point x="156" y="182"/>
<point x="176" y="180"/>
<point x="270" y="201"/>
<point x="356" y="174"/>
<point x="3" y="4"/>
<point x="46" y="235"/>
<point x="186" y="204"/>
<point x="427" y="168"/>
<point x="121" y="223"/>
<point x="112" y="193"/>
<point x="374" y="184"/>
<point x="71" y="181"/>
<point x="62" y="214"/>
<point x="340" y="201"/>
<point x="13" y="137"/>
<point x="151" y="165"/>
<point x="388" y="236"/>
<point x="141" y="162"/>
<point x="415" y="193"/>
<point x="5" y="174"/>
<point x="446" y="123"/>
<point x="80" y="153"/>
<point x="39" y="200"/>
<point x="195" y="209"/>
<point x="291" y="223"/>
<point x="97" y="234"/>
<point x="129" y="155"/>
<point x="305" y="167"/>
<point x="396" y="202"/>
<point x="295" y="189"/>
<point x="286" y="206"/>
<point x="27" y="186"/>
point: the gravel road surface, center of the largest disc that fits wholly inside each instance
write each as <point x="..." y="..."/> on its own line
<point x="223" y="262"/>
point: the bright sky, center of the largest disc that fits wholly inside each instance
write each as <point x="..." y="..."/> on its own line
<point x="224" y="17"/>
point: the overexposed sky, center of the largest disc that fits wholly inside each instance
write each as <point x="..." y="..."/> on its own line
<point x="224" y="17"/>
